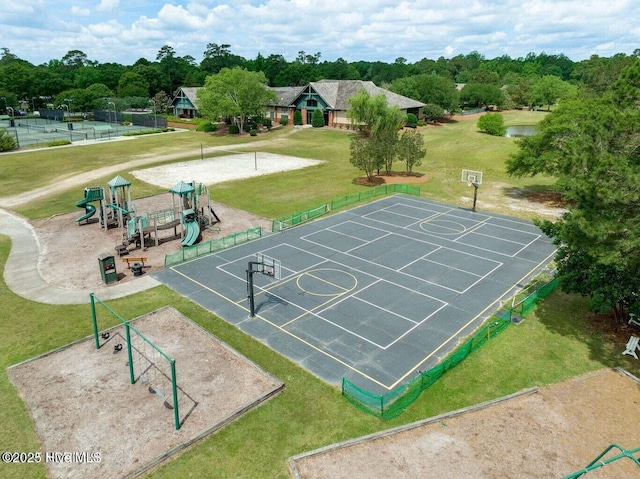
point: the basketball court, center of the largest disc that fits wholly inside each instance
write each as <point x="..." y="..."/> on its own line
<point x="374" y="294"/>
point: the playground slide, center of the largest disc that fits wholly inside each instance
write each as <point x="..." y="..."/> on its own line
<point x="89" y="208"/>
<point x="191" y="234"/>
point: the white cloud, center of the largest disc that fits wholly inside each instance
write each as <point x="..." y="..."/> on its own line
<point x="354" y="30"/>
<point x="108" y="5"/>
<point x="80" y="12"/>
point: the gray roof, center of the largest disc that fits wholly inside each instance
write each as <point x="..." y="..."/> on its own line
<point x="337" y="93"/>
<point x="286" y="94"/>
<point x="190" y="92"/>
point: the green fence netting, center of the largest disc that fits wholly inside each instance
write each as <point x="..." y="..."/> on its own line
<point x="394" y="402"/>
<point x="371" y="193"/>
<point x="282" y="224"/>
<point x="211" y="246"/>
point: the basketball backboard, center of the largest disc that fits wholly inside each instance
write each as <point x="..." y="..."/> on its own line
<point x="471" y="177"/>
<point x="270" y="266"/>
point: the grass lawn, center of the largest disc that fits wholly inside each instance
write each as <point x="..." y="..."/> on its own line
<point x="558" y="340"/>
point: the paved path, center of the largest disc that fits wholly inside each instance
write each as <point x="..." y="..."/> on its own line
<point x="21" y="271"/>
<point x="23" y="278"/>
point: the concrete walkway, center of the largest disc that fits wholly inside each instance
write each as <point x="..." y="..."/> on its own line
<point x="23" y="278"/>
<point x="21" y="271"/>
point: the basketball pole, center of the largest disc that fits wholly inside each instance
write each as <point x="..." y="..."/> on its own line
<point x="475" y="195"/>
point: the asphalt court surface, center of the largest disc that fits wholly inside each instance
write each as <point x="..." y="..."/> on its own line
<point x="375" y="293"/>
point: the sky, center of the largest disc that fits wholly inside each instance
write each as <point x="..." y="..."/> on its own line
<point x="123" y="31"/>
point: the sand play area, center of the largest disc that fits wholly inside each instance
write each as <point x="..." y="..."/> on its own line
<point x="549" y="432"/>
<point x="82" y="400"/>
<point x="62" y="238"/>
<point x="223" y="168"/>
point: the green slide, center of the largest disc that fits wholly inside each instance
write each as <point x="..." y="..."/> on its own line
<point x="90" y="210"/>
<point x="191" y="234"/>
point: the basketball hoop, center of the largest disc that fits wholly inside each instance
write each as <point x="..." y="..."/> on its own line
<point x="469" y="182"/>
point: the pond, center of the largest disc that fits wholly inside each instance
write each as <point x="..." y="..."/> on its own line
<point x="521" y="130"/>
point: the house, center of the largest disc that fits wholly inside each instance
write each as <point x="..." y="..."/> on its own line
<point x="330" y="96"/>
<point x="185" y="102"/>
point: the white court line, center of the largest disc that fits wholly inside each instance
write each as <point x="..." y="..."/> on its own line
<point x="513" y="255"/>
<point x="322" y="308"/>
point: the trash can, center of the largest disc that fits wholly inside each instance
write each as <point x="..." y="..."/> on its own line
<point x="12" y="123"/>
<point x="107" y="265"/>
<point x="70" y="125"/>
<point x="136" y="269"/>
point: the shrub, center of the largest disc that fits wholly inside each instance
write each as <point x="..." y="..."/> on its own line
<point x="253" y="132"/>
<point x="297" y="118"/>
<point x="284" y="121"/>
<point x="59" y="143"/>
<point x="317" y="119"/>
<point x="234" y="129"/>
<point x="206" y="126"/>
<point x="421" y="123"/>
<point x="411" y="121"/>
<point x="7" y="142"/>
<point x="267" y="123"/>
<point x="492" y="124"/>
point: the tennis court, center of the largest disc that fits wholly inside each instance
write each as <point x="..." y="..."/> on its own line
<point x="40" y="131"/>
<point x="375" y="293"/>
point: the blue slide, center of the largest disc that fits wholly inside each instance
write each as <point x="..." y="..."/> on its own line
<point x="192" y="231"/>
<point x="90" y="210"/>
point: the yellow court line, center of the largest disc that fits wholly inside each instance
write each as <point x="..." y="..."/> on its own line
<point x="338" y="360"/>
<point x="207" y="287"/>
<point x="415" y="367"/>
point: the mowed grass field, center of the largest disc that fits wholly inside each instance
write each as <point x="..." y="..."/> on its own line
<point x="557" y="341"/>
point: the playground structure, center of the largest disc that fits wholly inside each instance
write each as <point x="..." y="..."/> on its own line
<point x="115" y="208"/>
<point x="191" y="208"/>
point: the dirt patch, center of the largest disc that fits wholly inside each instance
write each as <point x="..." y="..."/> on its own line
<point x="81" y="398"/>
<point x="394" y="178"/>
<point x="69" y="252"/>
<point x="548" y="434"/>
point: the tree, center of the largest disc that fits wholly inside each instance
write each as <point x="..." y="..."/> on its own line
<point x="362" y="156"/>
<point x="161" y="102"/>
<point x="379" y="125"/>
<point x="549" y="89"/>
<point x="236" y="93"/>
<point x="297" y="118"/>
<point x="591" y="146"/>
<point x="317" y="118"/>
<point x="132" y="84"/>
<point x="428" y="88"/>
<point x="626" y="90"/>
<point x="481" y="94"/>
<point x="492" y="124"/>
<point x="411" y="149"/>
<point x="217" y="57"/>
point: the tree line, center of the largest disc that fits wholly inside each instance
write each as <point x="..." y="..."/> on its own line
<point x="590" y="144"/>
<point x="503" y="81"/>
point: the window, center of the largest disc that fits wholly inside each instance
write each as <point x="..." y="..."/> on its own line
<point x="311" y="102"/>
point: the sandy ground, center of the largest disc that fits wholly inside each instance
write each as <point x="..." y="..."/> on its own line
<point x="224" y="168"/>
<point x="68" y="259"/>
<point x="69" y="251"/>
<point x="81" y="398"/>
<point x="548" y="434"/>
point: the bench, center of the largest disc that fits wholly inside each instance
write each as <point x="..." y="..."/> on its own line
<point x="631" y="346"/>
<point x="633" y="319"/>
<point x="131" y="259"/>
